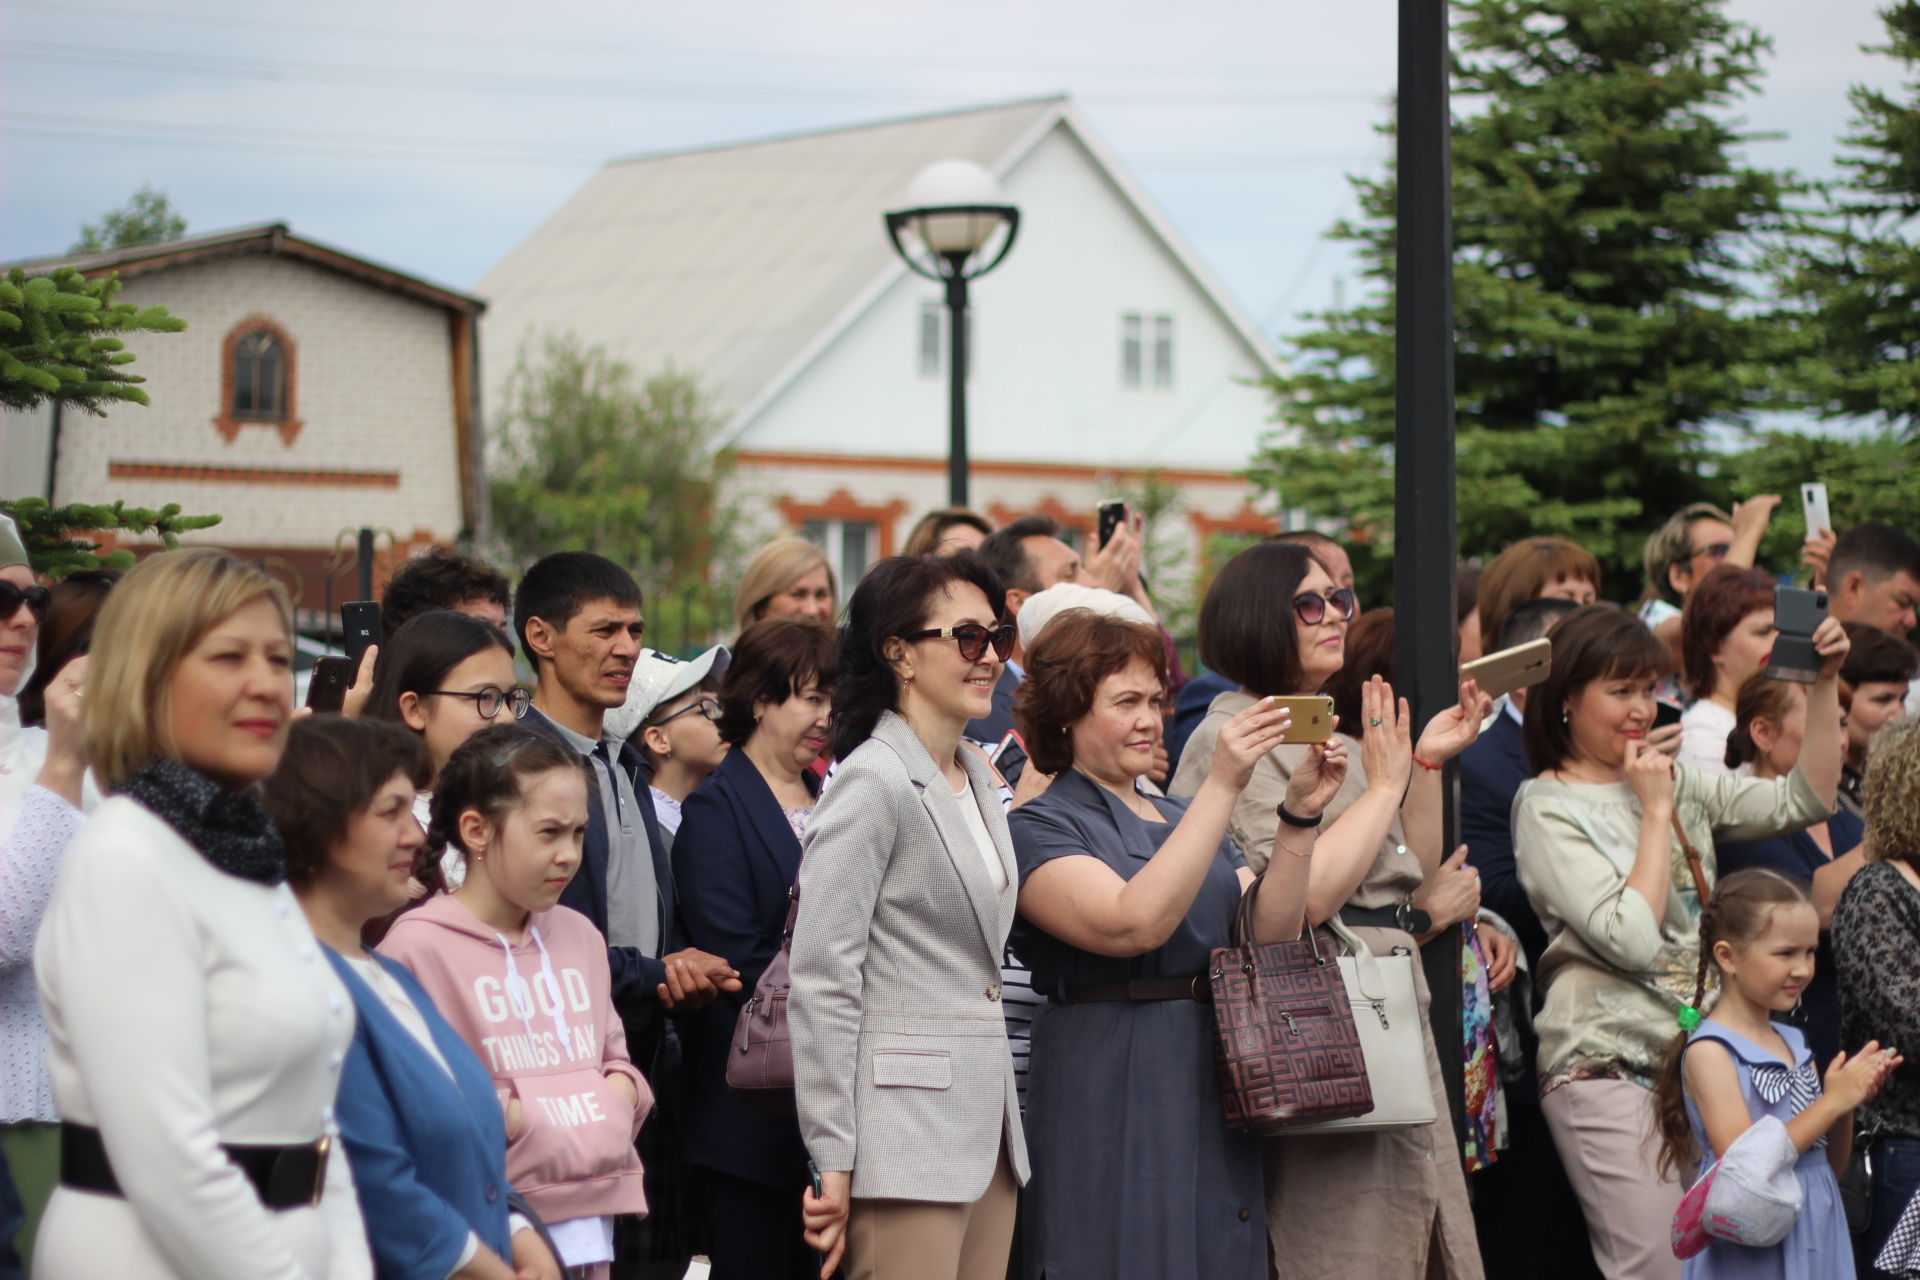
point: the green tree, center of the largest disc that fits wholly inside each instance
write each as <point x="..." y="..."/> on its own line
<point x="594" y="457"/>
<point x="58" y="340"/>
<point x="57" y="541"/>
<point x="1602" y="229"/>
<point x="147" y="218"/>
<point x="1851" y="281"/>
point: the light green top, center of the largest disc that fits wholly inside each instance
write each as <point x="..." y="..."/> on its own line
<point x="1613" y="979"/>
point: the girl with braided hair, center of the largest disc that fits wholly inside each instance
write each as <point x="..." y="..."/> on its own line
<point x="1735" y="1066"/>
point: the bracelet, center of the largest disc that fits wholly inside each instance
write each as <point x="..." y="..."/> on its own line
<point x="1424" y="765"/>
<point x="1298" y="853"/>
<point x="1294" y="820"/>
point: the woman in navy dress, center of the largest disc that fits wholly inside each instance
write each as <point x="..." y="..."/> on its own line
<point x="1123" y="897"/>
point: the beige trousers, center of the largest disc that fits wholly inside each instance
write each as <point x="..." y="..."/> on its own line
<point x="1603" y="1130"/>
<point x="917" y="1240"/>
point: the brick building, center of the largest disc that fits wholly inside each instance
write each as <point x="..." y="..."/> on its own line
<point x="313" y="393"/>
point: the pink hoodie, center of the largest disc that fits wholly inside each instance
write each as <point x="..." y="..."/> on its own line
<point x="540" y="1016"/>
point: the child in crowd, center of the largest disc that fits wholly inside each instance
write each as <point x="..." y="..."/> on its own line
<point x="525" y="982"/>
<point x="1729" y="1070"/>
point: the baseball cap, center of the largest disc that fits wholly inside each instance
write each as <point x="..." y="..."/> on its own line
<point x="661" y="677"/>
<point x="1750" y="1197"/>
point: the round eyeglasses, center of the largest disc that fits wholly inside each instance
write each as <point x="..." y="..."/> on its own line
<point x="1312" y="607"/>
<point x="488" y="699"/>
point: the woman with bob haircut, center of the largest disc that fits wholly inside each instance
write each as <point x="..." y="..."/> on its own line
<point x="196" y="1031"/>
<point x="1528" y="570"/>
<point x="419" y="1120"/>
<point x="787" y="578"/>
<point x="1597" y="839"/>
<point x="904" y="1079"/>
<point x="1123" y="898"/>
<point x="1391" y="1203"/>
<point x="1876" y="948"/>
<point x="1726" y="633"/>
<point x="734" y="864"/>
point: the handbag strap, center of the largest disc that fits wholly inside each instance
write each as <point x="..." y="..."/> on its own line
<point x="1694" y="864"/>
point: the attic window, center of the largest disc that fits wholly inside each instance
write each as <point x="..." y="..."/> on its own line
<point x="257" y="384"/>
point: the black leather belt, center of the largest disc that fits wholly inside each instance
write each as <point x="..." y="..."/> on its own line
<point x="1194" y="988"/>
<point x="1403" y="916"/>
<point x="284" y="1177"/>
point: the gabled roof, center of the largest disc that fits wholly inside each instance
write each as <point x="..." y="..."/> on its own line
<point x="261" y="238"/>
<point x="743" y="263"/>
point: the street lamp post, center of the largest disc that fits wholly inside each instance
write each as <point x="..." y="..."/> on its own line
<point x="955" y="211"/>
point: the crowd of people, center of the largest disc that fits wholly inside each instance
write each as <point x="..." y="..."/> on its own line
<point x="462" y="982"/>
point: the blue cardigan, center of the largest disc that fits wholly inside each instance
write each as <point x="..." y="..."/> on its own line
<point x="429" y="1154"/>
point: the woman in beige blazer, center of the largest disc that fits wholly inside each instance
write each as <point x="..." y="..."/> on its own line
<point x="907" y="887"/>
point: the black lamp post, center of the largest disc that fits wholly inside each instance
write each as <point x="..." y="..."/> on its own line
<point x="955" y="211"/>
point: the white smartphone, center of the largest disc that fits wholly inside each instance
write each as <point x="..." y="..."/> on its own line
<point x="1813" y="501"/>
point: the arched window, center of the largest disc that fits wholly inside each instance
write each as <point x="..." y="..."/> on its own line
<point x="257" y="380"/>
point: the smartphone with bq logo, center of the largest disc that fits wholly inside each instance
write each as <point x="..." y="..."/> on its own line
<point x="1312" y="718"/>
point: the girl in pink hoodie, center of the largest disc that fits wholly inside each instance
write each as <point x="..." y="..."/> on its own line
<point x="525" y="982"/>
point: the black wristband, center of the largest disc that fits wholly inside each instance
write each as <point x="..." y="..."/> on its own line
<point x="1293" y="820"/>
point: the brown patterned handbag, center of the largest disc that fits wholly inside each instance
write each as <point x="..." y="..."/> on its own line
<point x="1284" y="1037"/>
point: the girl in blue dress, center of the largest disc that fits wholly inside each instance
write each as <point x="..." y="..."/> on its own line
<point x="1737" y="1065"/>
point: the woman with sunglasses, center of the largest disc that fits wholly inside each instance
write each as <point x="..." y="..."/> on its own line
<point x="671" y="717"/>
<point x="445" y="676"/>
<point x="734" y="861"/>
<point x="1391" y="1204"/>
<point x="903" y="1076"/>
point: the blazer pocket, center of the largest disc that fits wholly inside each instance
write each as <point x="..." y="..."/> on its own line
<point x="919" y="1069"/>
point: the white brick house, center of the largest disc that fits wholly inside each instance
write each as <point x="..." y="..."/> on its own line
<point x="313" y="392"/>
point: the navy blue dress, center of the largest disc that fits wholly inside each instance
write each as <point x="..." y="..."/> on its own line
<point x="1797" y="856"/>
<point x="1135" y="1174"/>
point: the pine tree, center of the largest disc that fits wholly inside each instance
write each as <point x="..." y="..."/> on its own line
<point x="57" y="340"/>
<point x="56" y="536"/>
<point x="148" y="217"/>
<point x="1853" y="282"/>
<point x="1601" y="225"/>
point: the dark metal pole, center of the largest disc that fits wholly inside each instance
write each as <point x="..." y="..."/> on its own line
<point x="1424" y="531"/>
<point x="366" y="564"/>
<point x="956" y="381"/>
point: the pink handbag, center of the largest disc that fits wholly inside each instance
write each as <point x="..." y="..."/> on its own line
<point x="760" y="1063"/>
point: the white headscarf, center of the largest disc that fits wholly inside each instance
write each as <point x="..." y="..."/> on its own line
<point x="22" y="750"/>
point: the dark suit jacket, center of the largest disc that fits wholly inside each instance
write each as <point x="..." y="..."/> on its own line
<point x="735" y="858"/>
<point x="1491" y="771"/>
<point x="997" y="723"/>
<point x="1190" y="708"/>
<point x="636" y="976"/>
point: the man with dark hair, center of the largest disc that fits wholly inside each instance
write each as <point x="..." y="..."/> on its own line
<point x="442" y="578"/>
<point x="1873" y="577"/>
<point x="579" y="623"/>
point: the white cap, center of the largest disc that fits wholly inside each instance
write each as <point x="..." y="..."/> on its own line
<point x="1043" y="607"/>
<point x="661" y="677"/>
<point x="1750" y="1197"/>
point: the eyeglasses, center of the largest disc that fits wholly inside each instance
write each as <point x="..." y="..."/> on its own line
<point x="973" y="639"/>
<point x="1717" y="551"/>
<point x="35" y="598"/>
<point x="705" y="706"/>
<point x="1311" y="606"/>
<point x="489" y="699"/>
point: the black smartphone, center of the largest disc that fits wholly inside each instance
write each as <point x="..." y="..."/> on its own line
<point x="360" y="619"/>
<point x="1666" y="713"/>
<point x="1797" y="613"/>
<point x="1010" y="757"/>
<point x="327" y="688"/>
<point x="813" y="1178"/>
<point x="1113" y="513"/>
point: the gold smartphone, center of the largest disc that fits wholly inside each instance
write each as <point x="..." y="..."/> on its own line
<point x="1501" y="673"/>
<point x="1312" y="718"/>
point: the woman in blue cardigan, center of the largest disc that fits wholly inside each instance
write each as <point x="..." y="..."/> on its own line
<point x="417" y="1112"/>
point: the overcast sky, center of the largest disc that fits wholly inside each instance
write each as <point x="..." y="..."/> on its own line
<point x="433" y="135"/>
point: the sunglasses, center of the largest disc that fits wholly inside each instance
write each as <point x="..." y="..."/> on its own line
<point x="705" y="706"/>
<point x="35" y="598"/>
<point x="489" y="699"/>
<point x="973" y="639"/>
<point x="1311" y="606"/>
<point x="1716" y="551"/>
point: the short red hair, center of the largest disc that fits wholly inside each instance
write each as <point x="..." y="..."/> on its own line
<point x="1065" y="666"/>
<point x="1714" y="608"/>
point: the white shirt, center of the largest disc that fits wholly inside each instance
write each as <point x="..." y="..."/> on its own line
<point x="1704" y="727"/>
<point x="982" y="839"/>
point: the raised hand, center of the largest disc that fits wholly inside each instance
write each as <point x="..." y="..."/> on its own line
<point x="1245" y="739"/>
<point x="1650" y="774"/>
<point x="1386" y="750"/>
<point x="1454" y="730"/>
<point x="1831" y="643"/>
<point x="1853" y="1080"/>
<point x="1317" y="778"/>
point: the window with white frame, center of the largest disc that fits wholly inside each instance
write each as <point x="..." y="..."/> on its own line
<point x="1146" y="350"/>
<point x="1163" y="351"/>
<point x="1132" y="331"/>
<point x="849" y="546"/>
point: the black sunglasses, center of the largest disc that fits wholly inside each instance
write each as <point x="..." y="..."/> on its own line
<point x="1311" y="606"/>
<point x="1715" y="550"/>
<point x="35" y="598"/>
<point x="705" y="706"/>
<point x="973" y="639"/>
<point x="489" y="699"/>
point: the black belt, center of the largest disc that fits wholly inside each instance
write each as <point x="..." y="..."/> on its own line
<point x="1404" y="916"/>
<point x="284" y="1177"/>
<point x="1194" y="988"/>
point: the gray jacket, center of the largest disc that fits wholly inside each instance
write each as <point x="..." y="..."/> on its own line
<point x="899" y="1042"/>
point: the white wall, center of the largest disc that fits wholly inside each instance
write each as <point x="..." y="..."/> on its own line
<point x="1046" y="384"/>
<point x="24" y="434"/>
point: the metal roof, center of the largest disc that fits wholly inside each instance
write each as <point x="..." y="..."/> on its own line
<point x="741" y="263"/>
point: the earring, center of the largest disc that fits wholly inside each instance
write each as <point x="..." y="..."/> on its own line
<point x="1566" y="717"/>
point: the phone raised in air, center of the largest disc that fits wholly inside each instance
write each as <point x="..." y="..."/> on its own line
<point x="327" y="688"/>
<point x="1500" y="673"/>
<point x="1113" y="514"/>
<point x="1813" y="504"/>
<point x="1797" y="613"/>
<point x="1312" y="718"/>
<point x="360" y="619"/>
